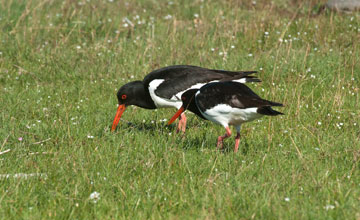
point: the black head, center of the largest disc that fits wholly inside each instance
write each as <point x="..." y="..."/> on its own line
<point x="127" y="92"/>
<point x="134" y="93"/>
<point x="188" y="102"/>
<point x="188" y="98"/>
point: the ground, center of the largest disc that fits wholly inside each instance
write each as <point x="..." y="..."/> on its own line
<point x="61" y="63"/>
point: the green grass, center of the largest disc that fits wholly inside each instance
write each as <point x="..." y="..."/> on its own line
<point x="61" y="63"/>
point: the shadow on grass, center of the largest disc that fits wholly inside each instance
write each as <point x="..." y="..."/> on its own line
<point x="156" y="128"/>
<point x="197" y="143"/>
<point x="187" y="140"/>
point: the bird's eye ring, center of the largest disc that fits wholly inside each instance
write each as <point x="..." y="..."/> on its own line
<point x="123" y="97"/>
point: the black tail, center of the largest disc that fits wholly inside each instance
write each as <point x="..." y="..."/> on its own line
<point x="267" y="110"/>
<point x="252" y="79"/>
<point x="240" y="75"/>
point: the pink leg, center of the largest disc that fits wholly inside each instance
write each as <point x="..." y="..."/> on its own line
<point x="182" y="123"/>
<point x="237" y="141"/>
<point x="221" y="138"/>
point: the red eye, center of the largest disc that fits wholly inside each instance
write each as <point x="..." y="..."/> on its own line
<point x="123" y="97"/>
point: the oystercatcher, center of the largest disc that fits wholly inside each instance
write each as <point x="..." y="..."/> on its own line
<point x="226" y="103"/>
<point x="163" y="88"/>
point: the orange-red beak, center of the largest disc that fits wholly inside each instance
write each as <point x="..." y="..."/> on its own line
<point x="177" y="114"/>
<point x="119" y="112"/>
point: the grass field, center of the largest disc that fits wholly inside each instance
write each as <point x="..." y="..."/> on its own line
<point x="61" y="63"/>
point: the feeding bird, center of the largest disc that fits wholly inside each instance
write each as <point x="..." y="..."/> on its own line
<point x="226" y="103"/>
<point x="163" y="88"/>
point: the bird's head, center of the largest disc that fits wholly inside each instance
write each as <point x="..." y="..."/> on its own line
<point x="127" y="95"/>
<point x="187" y="99"/>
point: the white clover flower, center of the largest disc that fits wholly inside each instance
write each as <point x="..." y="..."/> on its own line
<point x="94" y="196"/>
<point x="167" y="17"/>
<point x="328" y="207"/>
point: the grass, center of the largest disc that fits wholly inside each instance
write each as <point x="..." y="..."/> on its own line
<point x="61" y="63"/>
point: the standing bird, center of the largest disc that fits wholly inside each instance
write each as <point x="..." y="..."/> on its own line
<point x="226" y="103"/>
<point x="163" y="88"/>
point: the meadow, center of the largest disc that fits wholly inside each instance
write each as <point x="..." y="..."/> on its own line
<point x="62" y="62"/>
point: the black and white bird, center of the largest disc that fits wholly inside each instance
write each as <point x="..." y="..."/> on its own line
<point x="226" y="103"/>
<point x="163" y="88"/>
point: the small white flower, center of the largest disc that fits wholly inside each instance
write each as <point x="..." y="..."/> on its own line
<point x="232" y="46"/>
<point x="266" y="33"/>
<point x="287" y="199"/>
<point x="167" y="17"/>
<point x="328" y="207"/>
<point x="319" y="123"/>
<point x="90" y="136"/>
<point x="250" y="55"/>
<point x="196" y="15"/>
<point x="316" y="148"/>
<point x="212" y="49"/>
<point x="78" y="47"/>
<point x="94" y="196"/>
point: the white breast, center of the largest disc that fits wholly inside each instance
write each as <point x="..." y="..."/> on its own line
<point x="159" y="101"/>
<point x="226" y="115"/>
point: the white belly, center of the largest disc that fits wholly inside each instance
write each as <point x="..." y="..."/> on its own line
<point x="226" y="115"/>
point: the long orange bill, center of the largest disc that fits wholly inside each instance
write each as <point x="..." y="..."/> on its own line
<point x="177" y="114"/>
<point x="119" y="112"/>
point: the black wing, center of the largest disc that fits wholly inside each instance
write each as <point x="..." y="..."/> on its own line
<point x="181" y="77"/>
<point x="235" y="94"/>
